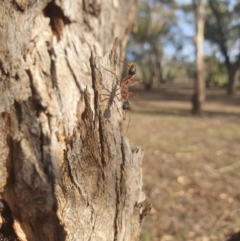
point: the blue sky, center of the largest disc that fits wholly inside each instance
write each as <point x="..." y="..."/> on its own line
<point x="187" y="29"/>
<point x="183" y="34"/>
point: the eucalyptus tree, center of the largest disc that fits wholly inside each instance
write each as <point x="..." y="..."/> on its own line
<point x="196" y="13"/>
<point x="222" y="29"/>
<point x="66" y="171"/>
<point x="152" y="28"/>
<point x="199" y="85"/>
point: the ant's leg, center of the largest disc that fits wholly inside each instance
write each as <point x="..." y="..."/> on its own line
<point x="124" y="114"/>
<point x="111" y="72"/>
<point x="112" y="96"/>
<point x="134" y="82"/>
<point x="131" y="68"/>
<point x="124" y="63"/>
<point x="129" y="119"/>
<point x="132" y="94"/>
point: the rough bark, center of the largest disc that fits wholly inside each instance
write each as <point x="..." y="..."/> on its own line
<point x="66" y="172"/>
<point x="199" y="85"/>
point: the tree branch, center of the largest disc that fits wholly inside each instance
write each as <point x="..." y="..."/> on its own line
<point x="221" y="40"/>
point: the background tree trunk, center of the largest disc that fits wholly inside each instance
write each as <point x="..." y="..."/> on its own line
<point x="199" y="86"/>
<point x="220" y="36"/>
<point x="232" y="78"/>
<point x="65" y="170"/>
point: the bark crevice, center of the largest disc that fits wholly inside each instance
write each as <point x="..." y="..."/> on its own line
<point x="57" y="18"/>
<point x="55" y="105"/>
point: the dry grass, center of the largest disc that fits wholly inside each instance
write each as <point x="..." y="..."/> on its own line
<point x="191" y="167"/>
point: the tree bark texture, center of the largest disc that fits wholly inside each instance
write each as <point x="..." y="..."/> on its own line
<point x="199" y="85"/>
<point x="66" y="172"/>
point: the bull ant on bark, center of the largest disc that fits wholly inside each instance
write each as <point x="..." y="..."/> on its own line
<point x="124" y="88"/>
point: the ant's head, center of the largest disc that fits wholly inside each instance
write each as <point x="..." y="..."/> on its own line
<point x="126" y="106"/>
<point x="132" y="70"/>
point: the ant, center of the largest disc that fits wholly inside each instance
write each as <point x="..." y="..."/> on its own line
<point x="124" y="84"/>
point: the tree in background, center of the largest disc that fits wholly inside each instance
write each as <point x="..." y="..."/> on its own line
<point x="222" y="28"/>
<point x="66" y="172"/>
<point x="215" y="71"/>
<point x="199" y="85"/>
<point x="180" y="71"/>
<point x="152" y="28"/>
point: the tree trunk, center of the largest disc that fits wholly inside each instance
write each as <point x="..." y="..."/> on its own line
<point x="199" y="87"/>
<point x="221" y="40"/>
<point x="66" y="172"/>
<point x="233" y="75"/>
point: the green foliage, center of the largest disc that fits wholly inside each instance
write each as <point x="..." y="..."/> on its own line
<point x="154" y="26"/>
<point x="178" y="71"/>
<point x="153" y="23"/>
<point x="222" y="24"/>
<point x="215" y="72"/>
<point x="222" y="28"/>
<point x="145" y="237"/>
<point x="187" y="8"/>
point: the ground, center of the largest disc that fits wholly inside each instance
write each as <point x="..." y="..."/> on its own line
<point x="191" y="166"/>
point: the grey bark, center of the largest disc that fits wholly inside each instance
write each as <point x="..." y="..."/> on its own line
<point x="66" y="171"/>
<point x="199" y="85"/>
